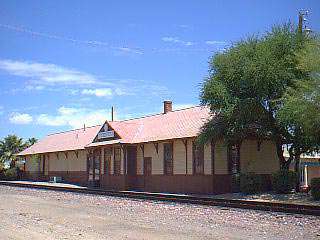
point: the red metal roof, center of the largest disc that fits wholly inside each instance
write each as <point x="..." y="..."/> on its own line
<point x="64" y="141"/>
<point x="176" y="124"/>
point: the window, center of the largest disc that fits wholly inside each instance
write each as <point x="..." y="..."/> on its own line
<point x="198" y="156"/>
<point x="234" y="159"/>
<point x="168" y="158"/>
<point x="107" y="160"/>
<point x="147" y="166"/>
<point x="117" y="161"/>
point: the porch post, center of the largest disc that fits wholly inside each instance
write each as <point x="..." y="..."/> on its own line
<point x="305" y="175"/>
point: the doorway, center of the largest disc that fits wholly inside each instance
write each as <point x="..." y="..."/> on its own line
<point x="94" y="160"/>
<point x="131" y="167"/>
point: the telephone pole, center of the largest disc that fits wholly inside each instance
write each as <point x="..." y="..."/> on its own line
<point x="302" y="19"/>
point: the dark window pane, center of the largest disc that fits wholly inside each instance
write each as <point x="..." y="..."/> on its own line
<point x="117" y="161"/>
<point x="198" y="159"/>
<point x="168" y="158"/>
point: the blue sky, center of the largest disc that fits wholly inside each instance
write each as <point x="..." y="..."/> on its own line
<point x="65" y="63"/>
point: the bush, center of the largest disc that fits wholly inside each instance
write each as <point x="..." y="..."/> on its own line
<point x="284" y="181"/>
<point x="252" y="183"/>
<point x="11" y="174"/>
<point x="315" y="188"/>
<point x="235" y="183"/>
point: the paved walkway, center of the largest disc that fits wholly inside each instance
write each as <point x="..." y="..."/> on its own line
<point x="67" y="185"/>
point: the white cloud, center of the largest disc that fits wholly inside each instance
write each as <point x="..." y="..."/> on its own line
<point x="182" y="106"/>
<point x="213" y="42"/>
<point x="36" y="87"/>
<point x="74" y="117"/>
<point x="46" y="73"/>
<point x="67" y="110"/>
<point x="99" y="92"/>
<point x="54" y="78"/>
<point x="20" y="118"/>
<point x="130" y="50"/>
<point x="177" y="40"/>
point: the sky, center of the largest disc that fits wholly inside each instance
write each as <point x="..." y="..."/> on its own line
<point x="64" y="64"/>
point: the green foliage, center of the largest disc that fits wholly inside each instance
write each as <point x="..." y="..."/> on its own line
<point x="300" y="112"/>
<point x="255" y="85"/>
<point x="235" y="183"/>
<point x="315" y="188"/>
<point x="12" y="145"/>
<point x="284" y="181"/>
<point x="11" y="174"/>
<point x="252" y="183"/>
<point x="245" y="80"/>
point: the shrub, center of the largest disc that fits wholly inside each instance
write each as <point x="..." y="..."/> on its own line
<point x="284" y="181"/>
<point x="252" y="183"/>
<point x="315" y="188"/>
<point x="235" y="183"/>
<point x="11" y="174"/>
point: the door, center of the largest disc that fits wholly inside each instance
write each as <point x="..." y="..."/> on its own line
<point x="132" y="160"/>
<point x="131" y="167"/>
<point x="107" y="160"/>
<point x="147" y="171"/>
<point x="94" y="167"/>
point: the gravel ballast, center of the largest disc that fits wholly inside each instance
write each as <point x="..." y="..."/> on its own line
<point x="44" y="214"/>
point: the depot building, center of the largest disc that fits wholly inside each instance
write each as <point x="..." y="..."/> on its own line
<point x="155" y="153"/>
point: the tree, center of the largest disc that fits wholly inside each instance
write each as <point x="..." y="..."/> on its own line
<point x="12" y="145"/>
<point x="30" y="142"/>
<point x="300" y="112"/>
<point x="246" y="85"/>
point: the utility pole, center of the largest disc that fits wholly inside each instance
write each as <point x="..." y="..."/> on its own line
<point x="302" y="19"/>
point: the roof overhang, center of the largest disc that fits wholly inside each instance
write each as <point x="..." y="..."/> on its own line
<point x="104" y="143"/>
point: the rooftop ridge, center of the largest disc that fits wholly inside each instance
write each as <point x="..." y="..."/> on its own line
<point x="156" y="114"/>
<point x="72" y="130"/>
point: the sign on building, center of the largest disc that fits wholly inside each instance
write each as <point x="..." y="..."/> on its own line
<point x="105" y="134"/>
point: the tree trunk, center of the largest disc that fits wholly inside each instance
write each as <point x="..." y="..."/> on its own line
<point x="282" y="160"/>
<point x="297" y="170"/>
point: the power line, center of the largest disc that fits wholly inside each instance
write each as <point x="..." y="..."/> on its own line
<point x="123" y="48"/>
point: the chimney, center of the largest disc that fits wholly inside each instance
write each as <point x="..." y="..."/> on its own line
<point x="112" y="113"/>
<point x="167" y="106"/>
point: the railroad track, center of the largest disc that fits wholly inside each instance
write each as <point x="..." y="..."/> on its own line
<point x="188" y="199"/>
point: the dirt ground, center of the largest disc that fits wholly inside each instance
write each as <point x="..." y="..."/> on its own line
<point x="42" y="214"/>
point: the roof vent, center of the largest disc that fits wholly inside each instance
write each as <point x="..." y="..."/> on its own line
<point x="167" y="106"/>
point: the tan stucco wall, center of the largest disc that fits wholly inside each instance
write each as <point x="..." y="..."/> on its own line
<point x="264" y="161"/>
<point x="157" y="158"/>
<point x="32" y="165"/>
<point x="313" y="172"/>
<point x="59" y="162"/>
<point x="179" y="157"/>
<point x="251" y="160"/>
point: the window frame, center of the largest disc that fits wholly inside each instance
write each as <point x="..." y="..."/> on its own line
<point x="234" y="167"/>
<point x="197" y="158"/>
<point x="116" y="162"/>
<point x="167" y="163"/>
<point x="107" y="162"/>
